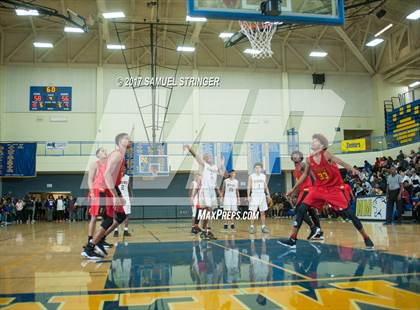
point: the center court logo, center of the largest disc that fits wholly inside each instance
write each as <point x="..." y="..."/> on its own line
<point x="220" y="214"/>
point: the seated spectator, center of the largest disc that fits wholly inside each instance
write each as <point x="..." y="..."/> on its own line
<point x="401" y="155"/>
<point x="368" y="167"/>
<point x="377" y="191"/>
<point x="416" y="208"/>
<point x="415" y="181"/>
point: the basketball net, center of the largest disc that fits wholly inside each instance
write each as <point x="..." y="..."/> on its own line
<point x="259" y="35"/>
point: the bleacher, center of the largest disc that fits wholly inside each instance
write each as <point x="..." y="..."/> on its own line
<point x="402" y="123"/>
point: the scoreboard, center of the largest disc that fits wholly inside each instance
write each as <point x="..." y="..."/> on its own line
<point x="50" y="98"/>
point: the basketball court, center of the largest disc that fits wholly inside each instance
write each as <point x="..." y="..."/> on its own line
<point x="131" y="130"/>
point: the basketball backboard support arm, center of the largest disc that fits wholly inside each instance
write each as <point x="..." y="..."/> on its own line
<point x="250" y="12"/>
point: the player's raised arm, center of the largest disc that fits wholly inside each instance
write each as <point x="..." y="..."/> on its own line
<point x="303" y="177"/>
<point x="194" y="154"/>
<point x="340" y="162"/>
<point x="113" y="163"/>
<point x="222" y="167"/>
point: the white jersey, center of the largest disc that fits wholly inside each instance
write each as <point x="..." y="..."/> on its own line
<point x="258" y="183"/>
<point x="230" y="187"/>
<point x="124" y="188"/>
<point x="195" y="187"/>
<point x="209" y="176"/>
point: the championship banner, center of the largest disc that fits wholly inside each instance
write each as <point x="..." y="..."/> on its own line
<point x="355" y="145"/>
<point x="17" y="159"/>
<point x="371" y="208"/>
<point x="255" y="154"/>
<point x="274" y="158"/>
<point x="226" y="150"/>
<point x="209" y="148"/>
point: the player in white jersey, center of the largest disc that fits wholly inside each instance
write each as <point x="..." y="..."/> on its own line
<point x="230" y="198"/>
<point x="258" y="194"/>
<point x="194" y="198"/>
<point x="125" y="189"/>
<point x="207" y="193"/>
<point x="232" y="262"/>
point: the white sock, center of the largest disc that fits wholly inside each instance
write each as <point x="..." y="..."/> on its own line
<point x="116" y="229"/>
<point x="125" y="228"/>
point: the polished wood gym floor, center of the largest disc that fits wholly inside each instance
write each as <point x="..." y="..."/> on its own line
<point x="163" y="267"/>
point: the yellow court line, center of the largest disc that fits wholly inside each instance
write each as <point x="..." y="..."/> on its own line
<point x="211" y="285"/>
<point x="267" y="263"/>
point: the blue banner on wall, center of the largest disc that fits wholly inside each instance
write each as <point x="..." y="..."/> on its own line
<point x="255" y="155"/>
<point x="146" y="162"/>
<point x="50" y="98"/>
<point x="209" y="148"/>
<point x="226" y="150"/>
<point x="274" y="166"/>
<point x="17" y="159"/>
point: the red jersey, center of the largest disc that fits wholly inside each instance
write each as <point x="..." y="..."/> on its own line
<point x="347" y="191"/>
<point x="99" y="180"/>
<point x="117" y="175"/>
<point x="297" y="174"/>
<point x="326" y="174"/>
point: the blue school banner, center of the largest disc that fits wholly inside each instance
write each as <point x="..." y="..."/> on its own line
<point x="274" y="166"/>
<point x="255" y="155"/>
<point x="209" y="148"/>
<point x="17" y="159"/>
<point x="226" y="150"/>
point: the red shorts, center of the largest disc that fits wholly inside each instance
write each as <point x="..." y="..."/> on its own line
<point x="302" y="196"/>
<point x="98" y="202"/>
<point x="104" y="199"/>
<point x="319" y="196"/>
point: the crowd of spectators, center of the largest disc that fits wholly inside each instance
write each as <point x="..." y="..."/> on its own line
<point x="373" y="180"/>
<point x="15" y="210"/>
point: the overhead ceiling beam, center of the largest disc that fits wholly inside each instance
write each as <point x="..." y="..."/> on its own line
<point x="182" y="54"/>
<point x="242" y="56"/>
<point x="19" y="46"/>
<point x="57" y="43"/>
<point x="212" y="55"/>
<point x="299" y="56"/>
<point x="112" y="53"/>
<point x="356" y="52"/>
<point x="362" y="44"/>
<point x="380" y="56"/>
<point x="84" y="48"/>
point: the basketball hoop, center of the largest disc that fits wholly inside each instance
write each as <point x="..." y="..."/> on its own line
<point x="259" y="35"/>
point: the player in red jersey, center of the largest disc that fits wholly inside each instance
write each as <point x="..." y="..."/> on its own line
<point x="114" y="214"/>
<point x="304" y="188"/>
<point x="96" y="189"/>
<point x="326" y="188"/>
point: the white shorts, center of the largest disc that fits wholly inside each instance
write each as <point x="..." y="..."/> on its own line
<point x="260" y="267"/>
<point x="258" y="202"/>
<point x="127" y="209"/>
<point x="230" y="204"/>
<point x="208" y="198"/>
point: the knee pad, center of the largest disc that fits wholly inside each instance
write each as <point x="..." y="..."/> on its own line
<point x="120" y="217"/>
<point x="106" y="222"/>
